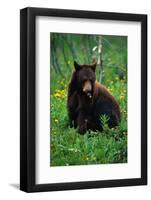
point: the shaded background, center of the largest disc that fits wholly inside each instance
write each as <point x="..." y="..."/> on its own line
<point x="109" y="51"/>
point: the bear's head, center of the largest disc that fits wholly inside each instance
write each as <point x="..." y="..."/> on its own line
<point x="85" y="76"/>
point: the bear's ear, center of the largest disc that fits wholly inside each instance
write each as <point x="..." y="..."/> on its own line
<point x="77" y="66"/>
<point x="93" y="66"/>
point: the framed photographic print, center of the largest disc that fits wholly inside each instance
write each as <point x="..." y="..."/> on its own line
<point x="83" y="99"/>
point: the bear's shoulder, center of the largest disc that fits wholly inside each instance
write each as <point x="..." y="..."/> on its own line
<point x="100" y="89"/>
<point x="102" y="92"/>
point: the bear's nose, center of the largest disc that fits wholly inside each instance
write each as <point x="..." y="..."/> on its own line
<point x="87" y="87"/>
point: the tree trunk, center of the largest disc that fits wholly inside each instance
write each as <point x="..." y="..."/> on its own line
<point x="100" y="59"/>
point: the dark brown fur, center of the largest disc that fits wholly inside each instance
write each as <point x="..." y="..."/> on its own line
<point x="84" y="111"/>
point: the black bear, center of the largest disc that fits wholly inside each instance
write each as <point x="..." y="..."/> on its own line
<point x="88" y="100"/>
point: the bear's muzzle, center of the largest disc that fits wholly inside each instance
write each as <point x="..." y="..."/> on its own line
<point x="87" y="88"/>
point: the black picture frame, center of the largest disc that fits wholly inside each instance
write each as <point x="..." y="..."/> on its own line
<point x="28" y="99"/>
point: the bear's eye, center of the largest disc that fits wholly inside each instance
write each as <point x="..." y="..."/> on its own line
<point x="91" y="79"/>
<point x="84" y="79"/>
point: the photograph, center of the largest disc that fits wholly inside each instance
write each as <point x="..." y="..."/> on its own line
<point x="88" y="99"/>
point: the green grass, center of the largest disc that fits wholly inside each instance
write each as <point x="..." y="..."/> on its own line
<point x="70" y="148"/>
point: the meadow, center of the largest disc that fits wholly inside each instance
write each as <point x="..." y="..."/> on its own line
<point x="67" y="146"/>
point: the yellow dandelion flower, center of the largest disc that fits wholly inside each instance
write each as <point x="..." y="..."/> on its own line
<point x="57" y="95"/>
<point x="85" y="158"/>
<point x="60" y="93"/>
<point x="121" y="97"/>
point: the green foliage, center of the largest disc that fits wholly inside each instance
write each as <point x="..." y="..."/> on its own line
<point x="104" y="121"/>
<point x="109" y="146"/>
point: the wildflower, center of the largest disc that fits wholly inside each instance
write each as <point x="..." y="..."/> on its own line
<point x="60" y="93"/>
<point x="57" y="94"/>
<point x="121" y="97"/>
<point x="86" y="158"/>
